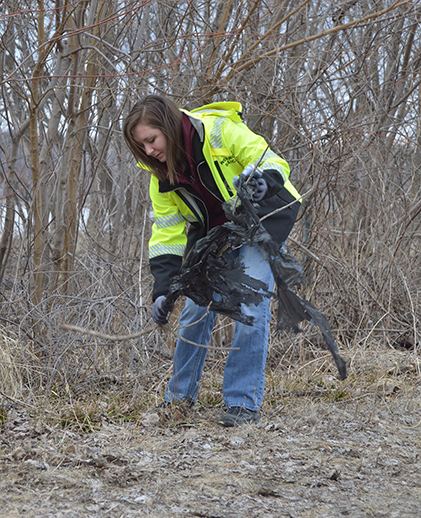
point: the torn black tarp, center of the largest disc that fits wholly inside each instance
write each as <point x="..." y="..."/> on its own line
<point x="212" y="277"/>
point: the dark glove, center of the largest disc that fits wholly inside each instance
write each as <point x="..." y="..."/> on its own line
<point x="160" y="310"/>
<point x="257" y="183"/>
<point x="260" y="189"/>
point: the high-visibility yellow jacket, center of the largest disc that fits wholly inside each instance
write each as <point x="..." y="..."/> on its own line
<point x="223" y="147"/>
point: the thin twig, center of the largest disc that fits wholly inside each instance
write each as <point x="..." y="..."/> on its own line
<point x="200" y="319"/>
<point x="23" y="403"/>
<point x="210" y="346"/>
<point x="112" y="338"/>
<point x="313" y="361"/>
<point x="306" y="250"/>
<point x="305" y="195"/>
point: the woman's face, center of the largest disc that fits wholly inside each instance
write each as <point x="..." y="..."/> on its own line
<point x="152" y="140"/>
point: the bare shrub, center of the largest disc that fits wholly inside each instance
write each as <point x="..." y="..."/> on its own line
<point x="334" y="87"/>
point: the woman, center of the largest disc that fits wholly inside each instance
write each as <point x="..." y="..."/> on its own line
<point x="195" y="159"/>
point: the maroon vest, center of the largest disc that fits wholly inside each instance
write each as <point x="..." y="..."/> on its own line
<point x="190" y="177"/>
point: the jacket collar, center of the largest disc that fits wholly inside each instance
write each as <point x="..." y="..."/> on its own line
<point x="198" y="126"/>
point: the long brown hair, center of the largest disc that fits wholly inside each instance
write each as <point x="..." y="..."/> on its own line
<point x="162" y="113"/>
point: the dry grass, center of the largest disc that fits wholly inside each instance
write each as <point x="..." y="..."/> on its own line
<point x="317" y="434"/>
<point x="297" y="368"/>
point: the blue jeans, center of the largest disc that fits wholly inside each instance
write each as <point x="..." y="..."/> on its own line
<point x="244" y="374"/>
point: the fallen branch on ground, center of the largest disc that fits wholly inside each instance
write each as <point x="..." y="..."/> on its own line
<point x="111" y="338"/>
<point x="121" y="338"/>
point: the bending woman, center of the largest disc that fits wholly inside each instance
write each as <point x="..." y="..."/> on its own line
<point x="194" y="159"/>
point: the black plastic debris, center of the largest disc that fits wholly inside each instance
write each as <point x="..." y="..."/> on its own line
<point x="212" y="277"/>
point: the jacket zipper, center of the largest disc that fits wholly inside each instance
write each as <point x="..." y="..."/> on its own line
<point x="221" y="174"/>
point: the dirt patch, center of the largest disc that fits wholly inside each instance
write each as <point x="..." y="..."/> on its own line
<point x="313" y="454"/>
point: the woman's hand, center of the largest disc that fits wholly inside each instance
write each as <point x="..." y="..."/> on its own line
<point x="257" y="183"/>
<point x="160" y="310"/>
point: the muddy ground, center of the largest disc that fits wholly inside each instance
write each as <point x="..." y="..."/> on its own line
<point x="311" y="455"/>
